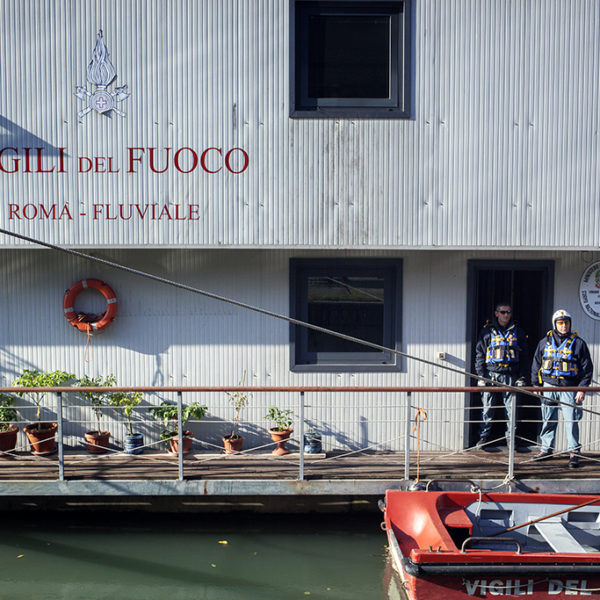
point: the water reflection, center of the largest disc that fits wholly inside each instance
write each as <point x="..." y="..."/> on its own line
<point x="100" y="556"/>
<point x="392" y="583"/>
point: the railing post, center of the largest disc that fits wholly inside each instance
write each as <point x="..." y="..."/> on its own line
<point x="301" y="433"/>
<point x="180" y="430"/>
<point x="61" y="449"/>
<point x="511" y="440"/>
<point x="407" y="438"/>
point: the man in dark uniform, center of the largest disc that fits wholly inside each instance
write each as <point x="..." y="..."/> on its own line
<point x="501" y="354"/>
<point x="561" y="359"/>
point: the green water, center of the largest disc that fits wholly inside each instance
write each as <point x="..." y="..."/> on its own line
<point x="96" y="556"/>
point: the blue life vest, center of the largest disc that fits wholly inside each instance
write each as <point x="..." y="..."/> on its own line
<point x="558" y="362"/>
<point x="503" y="349"/>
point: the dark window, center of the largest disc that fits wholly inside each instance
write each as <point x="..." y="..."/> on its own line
<point x="349" y="58"/>
<point x="357" y="298"/>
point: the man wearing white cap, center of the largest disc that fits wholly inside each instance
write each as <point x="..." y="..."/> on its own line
<point x="562" y="359"/>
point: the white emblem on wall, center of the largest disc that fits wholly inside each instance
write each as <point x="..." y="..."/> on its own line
<point x="101" y="73"/>
<point x="589" y="291"/>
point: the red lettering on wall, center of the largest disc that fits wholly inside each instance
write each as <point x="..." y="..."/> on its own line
<point x="152" y="167"/>
<point x="41" y="211"/>
<point x="186" y="159"/>
<point x="61" y="164"/>
<point x="85" y="164"/>
<point x="27" y="161"/>
<point x="194" y="160"/>
<point x="15" y="162"/>
<point x="140" y="212"/>
<point x="40" y="168"/>
<point x="65" y="212"/>
<point x="49" y="214"/>
<point x="133" y="158"/>
<point x="203" y="159"/>
<point x="245" y="160"/>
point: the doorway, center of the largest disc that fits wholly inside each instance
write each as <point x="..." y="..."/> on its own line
<point x="528" y="286"/>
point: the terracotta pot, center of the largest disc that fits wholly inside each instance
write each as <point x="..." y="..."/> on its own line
<point x="41" y="437"/>
<point x="280" y="437"/>
<point x="8" y="439"/>
<point x="233" y="444"/>
<point x="97" y="441"/>
<point x="188" y="437"/>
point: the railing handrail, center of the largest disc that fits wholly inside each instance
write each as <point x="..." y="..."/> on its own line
<point x="289" y="388"/>
<point x="410" y="406"/>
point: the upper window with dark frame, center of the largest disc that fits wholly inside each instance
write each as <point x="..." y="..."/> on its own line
<point x="359" y="298"/>
<point x="349" y="58"/>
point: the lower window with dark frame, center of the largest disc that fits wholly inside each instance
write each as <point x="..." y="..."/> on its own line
<point x="360" y="298"/>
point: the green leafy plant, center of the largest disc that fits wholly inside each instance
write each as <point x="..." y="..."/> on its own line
<point x="283" y="418"/>
<point x="238" y="400"/>
<point x="7" y="412"/>
<point x="126" y="402"/>
<point x="167" y="413"/>
<point x="97" y="399"/>
<point x="34" y="378"/>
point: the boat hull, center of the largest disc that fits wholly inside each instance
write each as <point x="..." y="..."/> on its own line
<point x="446" y="571"/>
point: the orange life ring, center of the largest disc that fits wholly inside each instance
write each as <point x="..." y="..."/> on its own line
<point x="84" y="321"/>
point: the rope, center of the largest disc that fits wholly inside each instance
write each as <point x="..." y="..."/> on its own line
<point x="479" y="504"/>
<point x="506" y="481"/>
<point x="87" y="352"/>
<point x="421" y="414"/>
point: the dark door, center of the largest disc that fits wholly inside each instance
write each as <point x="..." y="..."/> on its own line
<point x="528" y="286"/>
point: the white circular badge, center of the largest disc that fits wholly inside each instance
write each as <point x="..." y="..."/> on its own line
<point x="589" y="291"/>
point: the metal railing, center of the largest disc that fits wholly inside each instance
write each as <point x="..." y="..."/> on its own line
<point x="413" y="417"/>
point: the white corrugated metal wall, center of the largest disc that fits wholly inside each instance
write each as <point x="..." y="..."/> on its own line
<point x="503" y="143"/>
<point x="166" y="336"/>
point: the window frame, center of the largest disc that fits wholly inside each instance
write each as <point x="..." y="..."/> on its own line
<point x="397" y="106"/>
<point x="301" y="360"/>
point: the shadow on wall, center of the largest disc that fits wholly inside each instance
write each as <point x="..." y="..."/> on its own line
<point x="14" y="136"/>
<point x="12" y="366"/>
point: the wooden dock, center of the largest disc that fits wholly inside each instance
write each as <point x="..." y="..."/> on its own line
<point x="336" y="466"/>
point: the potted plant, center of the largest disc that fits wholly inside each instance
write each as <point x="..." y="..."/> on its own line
<point x="41" y="435"/>
<point x="283" y="419"/>
<point x="233" y="442"/>
<point x="8" y="430"/>
<point x="97" y="440"/>
<point x="167" y="413"/>
<point x="126" y="402"/>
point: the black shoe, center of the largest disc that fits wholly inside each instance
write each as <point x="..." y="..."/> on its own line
<point x="574" y="461"/>
<point x="543" y="454"/>
<point x="522" y="449"/>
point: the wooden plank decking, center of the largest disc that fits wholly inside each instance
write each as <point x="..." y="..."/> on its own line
<point x="334" y="466"/>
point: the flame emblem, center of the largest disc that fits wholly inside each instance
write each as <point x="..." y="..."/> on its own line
<point x="101" y="73"/>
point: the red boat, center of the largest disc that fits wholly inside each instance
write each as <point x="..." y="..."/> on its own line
<point x="459" y="545"/>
